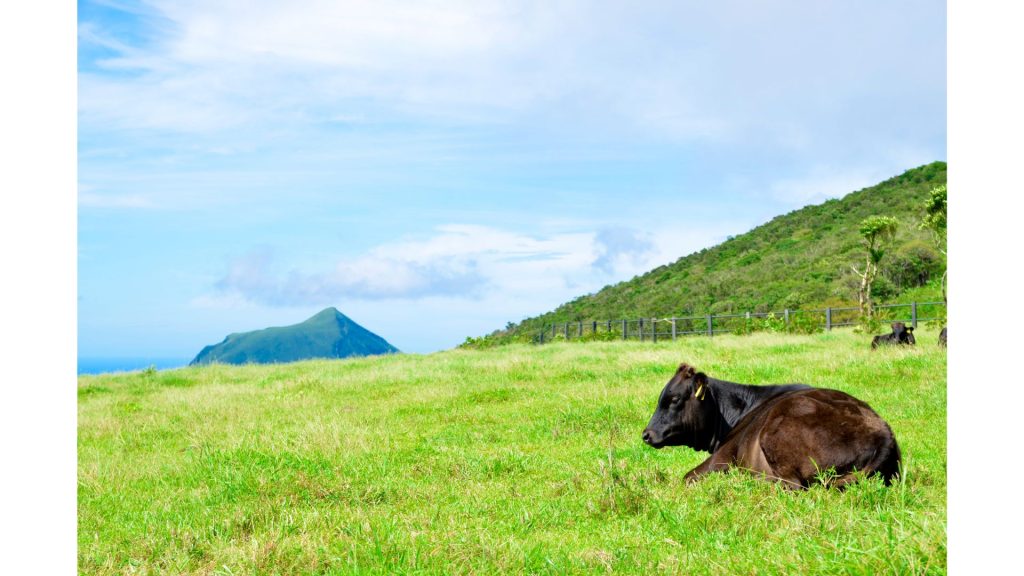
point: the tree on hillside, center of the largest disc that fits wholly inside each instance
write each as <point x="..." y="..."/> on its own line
<point x="935" y="220"/>
<point x="878" y="232"/>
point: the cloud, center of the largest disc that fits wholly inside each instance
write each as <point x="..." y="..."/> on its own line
<point x="254" y="277"/>
<point x="465" y="262"/>
<point x="458" y="261"/>
<point x="216" y="66"/>
<point x="615" y="244"/>
<point x="209" y="67"/>
<point x="722" y="74"/>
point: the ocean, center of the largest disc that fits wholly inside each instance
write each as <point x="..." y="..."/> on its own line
<point x="104" y="365"/>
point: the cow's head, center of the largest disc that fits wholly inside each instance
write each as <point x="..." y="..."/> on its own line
<point x="904" y="334"/>
<point x="685" y="413"/>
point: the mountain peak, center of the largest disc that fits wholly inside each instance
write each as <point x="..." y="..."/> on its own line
<point x="329" y="312"/>
<point x="326" y="334"/>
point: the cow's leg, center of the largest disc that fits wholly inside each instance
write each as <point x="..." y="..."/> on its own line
<point x="720" y="461"/>
<point x="840" y="483"/>
<point x="769" y="476"/>
<point x="754" y="461"/>
<point x="715" y="463"/>
<point x="712" y="464"/>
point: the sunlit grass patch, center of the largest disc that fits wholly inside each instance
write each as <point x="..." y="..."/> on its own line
<point x="524" y="459"/>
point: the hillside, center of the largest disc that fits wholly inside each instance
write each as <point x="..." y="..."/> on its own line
<point x="328" y="334"/>
<point x="800" y="259"/>
<point x="514" y="460"/>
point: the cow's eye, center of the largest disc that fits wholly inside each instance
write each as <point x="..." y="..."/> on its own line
<point x="675" y="400"/>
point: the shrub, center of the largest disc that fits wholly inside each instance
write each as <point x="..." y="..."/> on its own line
<point x="743" y="326"/>
<point x="772" y="323"/>
<point x="600" y="336"/>
<point x="875" y="324"/>
<point x="802" y="322"/>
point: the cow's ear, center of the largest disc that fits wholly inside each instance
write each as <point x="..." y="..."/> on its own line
<point x="685" y="371"/>
<point x="910" y="328"/>
<point x="700" y="385"/>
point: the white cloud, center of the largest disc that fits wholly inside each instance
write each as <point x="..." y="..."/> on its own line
<point x="618" y="244"/>
<point x="231" y="64"/>
<point x="469" y="263"/>
<point x="226" y="65"/>
<point x="724" y="72"/>
<point x="459" y="261"/>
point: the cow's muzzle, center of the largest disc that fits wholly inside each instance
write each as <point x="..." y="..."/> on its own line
<point x="651" y="438"/>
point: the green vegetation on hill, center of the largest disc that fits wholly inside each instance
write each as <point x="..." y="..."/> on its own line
<point x="515" y="460"/>
<point x="797" y="260"/>
<point x="327" y="334"/>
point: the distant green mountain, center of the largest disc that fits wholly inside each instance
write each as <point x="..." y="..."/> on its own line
<point x="797" y="260"/>
<point x="328" y="334"/>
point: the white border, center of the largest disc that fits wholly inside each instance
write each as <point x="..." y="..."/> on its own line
<point x="38" y="229"/>
<point x="985" y="285"/>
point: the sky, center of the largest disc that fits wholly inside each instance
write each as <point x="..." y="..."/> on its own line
<point x="436" y="170"/>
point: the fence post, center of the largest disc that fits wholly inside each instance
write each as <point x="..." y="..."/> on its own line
<point x="673" y="328"/>
<point x="593" y="329"/>
<point x="641" y="329"/>
<point x="913" y="314"/>
<point x="543" y="330"/>
<point x="609" y="326"/>
<point x="654" y="330"/>
<point x="553" y="328"/>
<point x="786" y="313"/>
<point x="624" y="333"/>
<point x="579" y="329"/>
<point x="711" y="330"/>
<point x="566" y="330"/>
<point x="828" y="319"/>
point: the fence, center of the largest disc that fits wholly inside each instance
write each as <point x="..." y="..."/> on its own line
<point x="655" y="329"/>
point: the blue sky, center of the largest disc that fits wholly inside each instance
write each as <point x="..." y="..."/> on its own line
<point x="435" y="170"/>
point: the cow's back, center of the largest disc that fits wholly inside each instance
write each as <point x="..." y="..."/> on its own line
<point x="797" y="435"/>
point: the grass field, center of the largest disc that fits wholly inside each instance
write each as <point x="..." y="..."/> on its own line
<point x="522" y="459"/>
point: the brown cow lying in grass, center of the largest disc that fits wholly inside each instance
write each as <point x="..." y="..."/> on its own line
<point x="790" y="433"/>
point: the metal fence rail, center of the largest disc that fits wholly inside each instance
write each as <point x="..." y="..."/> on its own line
<point x="654" y="329"/>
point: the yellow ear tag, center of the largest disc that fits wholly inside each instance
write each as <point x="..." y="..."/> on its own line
<point x="700" y="392"/>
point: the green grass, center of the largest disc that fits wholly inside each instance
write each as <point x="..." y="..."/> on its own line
<point x="513" y="460"/>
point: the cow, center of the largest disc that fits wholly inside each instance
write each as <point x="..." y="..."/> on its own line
<point x="942" y="337"/>
<point x="901" y="334"/>
<point x="793" y="434"/>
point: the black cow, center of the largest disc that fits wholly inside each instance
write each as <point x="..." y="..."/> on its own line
<point x="787" y="433"/>
<point x="901" y="334"/>
<point x="942" y="337"/>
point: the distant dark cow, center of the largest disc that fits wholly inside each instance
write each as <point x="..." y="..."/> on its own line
<point x="900" y="334"/>
<point x="942" y="337"/>
<point x="788" y="433"/>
